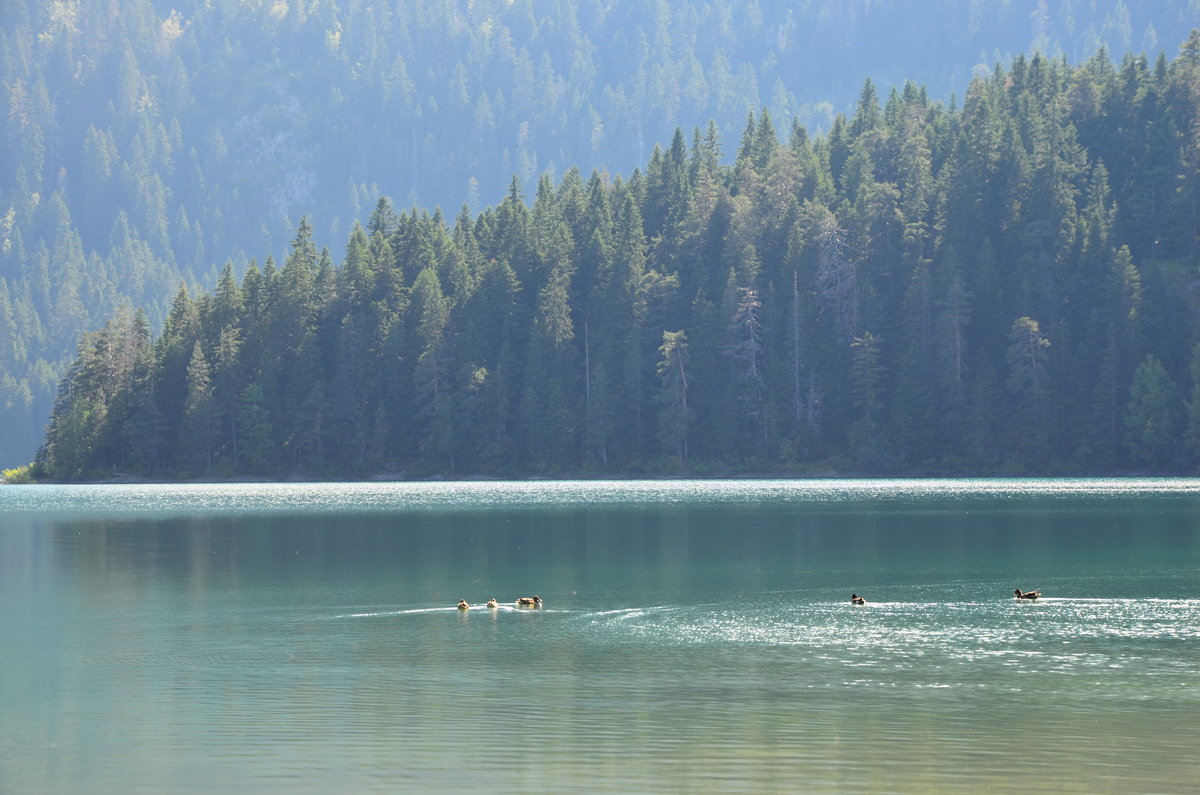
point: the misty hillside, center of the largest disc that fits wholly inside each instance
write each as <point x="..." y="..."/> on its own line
<point x="1007" y="287"/>
<point x="145" y="144"/>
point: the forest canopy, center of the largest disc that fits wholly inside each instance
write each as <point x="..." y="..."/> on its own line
<point x="1005" y="286"/>
<point x="144" y="143"/>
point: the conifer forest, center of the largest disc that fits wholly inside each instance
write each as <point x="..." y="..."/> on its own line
<point x="1001" y="281"/>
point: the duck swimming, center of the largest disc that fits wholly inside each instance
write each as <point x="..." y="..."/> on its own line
<point x="529" y="601"/>
<point x="855" y="599"/>
<point x="1026" y="594"/>
<point x="462" y="604"/>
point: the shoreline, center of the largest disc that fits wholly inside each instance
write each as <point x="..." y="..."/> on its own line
<point x="400" y="477"/>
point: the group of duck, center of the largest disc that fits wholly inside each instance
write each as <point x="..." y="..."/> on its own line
<point x="524" y="601"/>
<point x="855" y="599"/>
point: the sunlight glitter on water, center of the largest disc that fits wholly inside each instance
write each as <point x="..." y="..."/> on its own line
<point x="697" y="636"/>
<point x="333" y="498"/>
<point x="973" y="647"/>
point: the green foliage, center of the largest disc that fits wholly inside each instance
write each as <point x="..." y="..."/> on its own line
<point x="675" y="416"/>
<point x="1152" y="415"/>
<point x="1029" y="382"/>
<point x="1192" y="406"/>
<point x="922" y="290"/>
<point x="18" y="475"/>
<point x="144" y="144"/>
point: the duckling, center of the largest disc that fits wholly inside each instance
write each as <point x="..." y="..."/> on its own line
<point x="492" y="602"/>
<point x="855" y="599"/>
<point x="1026" y="594"/>
<point x="462" y="604"/>
<point x="529" y="601"/>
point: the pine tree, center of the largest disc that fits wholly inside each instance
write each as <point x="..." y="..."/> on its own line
<point x="1150" y="418"/>
<point x="1029" y="383"/>
<point x="228" y="386"/>
<point x="866" y="434"/>
<point x="199" y="415"/>
<point x="747" y="341"/>
<point x="675" y="415"/>
<point x="1192" y="407"/>
<point x="259" y="454"/>
<point x="431" y="310"/>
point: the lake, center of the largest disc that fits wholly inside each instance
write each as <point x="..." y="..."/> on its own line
<point x="695" y="636"/>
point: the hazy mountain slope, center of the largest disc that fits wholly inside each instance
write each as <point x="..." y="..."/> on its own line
<point x="1007" y="287"/>
<point x="145" y="143"/>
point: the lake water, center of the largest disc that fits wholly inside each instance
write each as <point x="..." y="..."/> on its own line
<point x="695" y="636"/>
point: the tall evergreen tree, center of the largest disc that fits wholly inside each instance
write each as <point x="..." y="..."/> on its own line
<point x="675" y="415"/>
<point x="1151" y="417"/>
<point x="1028" y="381"/>
<point x="197" y="436"/>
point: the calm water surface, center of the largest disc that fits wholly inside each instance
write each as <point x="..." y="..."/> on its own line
<point x="695" y="636"/>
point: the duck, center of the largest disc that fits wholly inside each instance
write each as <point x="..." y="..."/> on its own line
<point x="492" y="602"/>
<point x="529" y="601"/>
<point x="462" y="604"/>
<point x="1026" y="594"/>
<point x="855" y="599"/>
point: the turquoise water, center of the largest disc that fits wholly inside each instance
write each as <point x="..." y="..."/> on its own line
<point x="696" y="636"/>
